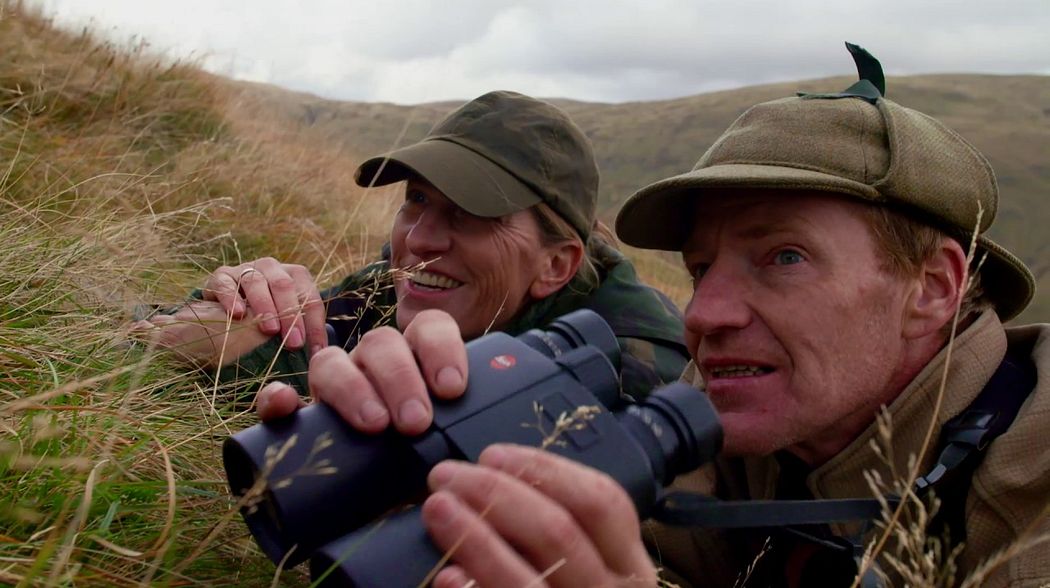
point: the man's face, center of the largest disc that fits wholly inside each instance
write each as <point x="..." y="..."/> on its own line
<point x="794" y="323"/>
<point x="479" y="270"/>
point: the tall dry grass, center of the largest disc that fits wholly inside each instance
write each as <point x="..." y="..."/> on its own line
<point x="122" y="179"/>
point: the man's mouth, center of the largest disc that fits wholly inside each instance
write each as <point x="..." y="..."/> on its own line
<point x="738" y="371"/>
<point x="431" y="281"/>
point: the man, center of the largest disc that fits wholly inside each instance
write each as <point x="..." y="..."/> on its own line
<point x="827" y="237"/>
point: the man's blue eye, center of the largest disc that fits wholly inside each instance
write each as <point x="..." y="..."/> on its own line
<point x="788" y="257"/>
<point x="415" y="197"/>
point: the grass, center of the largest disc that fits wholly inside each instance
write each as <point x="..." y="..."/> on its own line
<point x="121" y="178"/>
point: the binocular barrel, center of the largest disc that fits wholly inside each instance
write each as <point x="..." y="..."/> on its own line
<point x="310" y="478"/>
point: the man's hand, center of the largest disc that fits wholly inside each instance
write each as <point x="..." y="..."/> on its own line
<point x="522" y="514"/>
<point x="202" y="333"/>
<point x="283" y="296"/>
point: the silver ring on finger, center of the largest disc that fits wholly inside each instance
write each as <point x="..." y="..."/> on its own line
<point x="245" y="272"/>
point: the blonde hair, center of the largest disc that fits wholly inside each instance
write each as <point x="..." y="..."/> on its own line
<point x="554" y="229"/>
<point x="906" y="243"/>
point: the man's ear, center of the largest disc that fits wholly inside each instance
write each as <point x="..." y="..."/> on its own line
<point x="938" y="290"/>
<point x="558" y="266"/>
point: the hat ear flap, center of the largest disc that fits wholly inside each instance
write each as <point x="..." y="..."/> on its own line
<point x="872" y="83"/>
<point x="868" y="68"/>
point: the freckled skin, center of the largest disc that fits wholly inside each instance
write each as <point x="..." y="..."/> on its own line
<point x="795" y="284"/>
<point x="497" y="259"/>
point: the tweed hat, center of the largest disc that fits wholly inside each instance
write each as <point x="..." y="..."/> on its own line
<point x="500" y="153"/>
<point x="855" y="144"/>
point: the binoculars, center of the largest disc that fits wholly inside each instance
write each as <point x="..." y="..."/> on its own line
<point x="313" y="487"/>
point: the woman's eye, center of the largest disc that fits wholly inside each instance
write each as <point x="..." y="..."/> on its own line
<point x="415" y="197"/>
<point x="788" y="257"/>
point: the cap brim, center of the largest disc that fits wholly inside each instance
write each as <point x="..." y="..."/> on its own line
<point x="661" y="215"/>
<point x="1005" y="279"/>
<point x="470" y="180"/>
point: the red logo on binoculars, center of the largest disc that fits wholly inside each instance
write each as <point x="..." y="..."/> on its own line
<point x="503" y="362"/>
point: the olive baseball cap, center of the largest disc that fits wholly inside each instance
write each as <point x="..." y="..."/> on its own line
<point x="497" y="154"/>
<point x="849" y="144"/>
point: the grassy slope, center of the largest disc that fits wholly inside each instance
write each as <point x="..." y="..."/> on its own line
<point x="636" y="143"/>
<point x="120" y="178"/>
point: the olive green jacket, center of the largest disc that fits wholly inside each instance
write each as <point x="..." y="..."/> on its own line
<point x="647" y="325"/>
<point x="1007" y="502"/>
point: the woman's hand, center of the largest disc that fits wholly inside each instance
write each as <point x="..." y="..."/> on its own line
<point x="204" y="334"/>
<point x="283" y="297"/>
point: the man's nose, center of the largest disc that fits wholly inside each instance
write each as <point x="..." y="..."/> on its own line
<point x="719" y="302"/>
<point x="430" y="233"/>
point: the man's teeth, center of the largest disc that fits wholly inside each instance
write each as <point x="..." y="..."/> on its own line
<point x="738" y="371"/>
<point x="430" y="280"/>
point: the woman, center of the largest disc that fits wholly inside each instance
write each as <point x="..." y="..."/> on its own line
<point x="497" y="229"/>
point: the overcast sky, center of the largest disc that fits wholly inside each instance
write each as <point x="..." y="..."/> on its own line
<point x="411" y="51"/>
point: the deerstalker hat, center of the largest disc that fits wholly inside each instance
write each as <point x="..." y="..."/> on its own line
<point x="500" y="153"/>
<point x="856" y="144"/>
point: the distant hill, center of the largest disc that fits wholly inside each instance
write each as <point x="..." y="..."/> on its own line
<point x="1006" y="117"/>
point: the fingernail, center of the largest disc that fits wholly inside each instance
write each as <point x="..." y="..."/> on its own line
<point x="495" y="456"/>
<point x="371" y="411"/>
<point x="271" y="324"/>
<point x="440" y="509"/>
<point x="449" y="378"/>
<point x="412" y="412"/>
<point x="441" y="474"/>
<point x="295" y="338"/>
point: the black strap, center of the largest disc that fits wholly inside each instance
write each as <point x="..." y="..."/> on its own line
<point x="699" y="510"/>
<point x="965" y="438"/>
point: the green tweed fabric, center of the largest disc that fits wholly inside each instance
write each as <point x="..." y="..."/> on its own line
<point x="500" y="153"/>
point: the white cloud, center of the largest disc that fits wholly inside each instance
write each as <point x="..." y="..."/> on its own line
<point x="410" y="51"/>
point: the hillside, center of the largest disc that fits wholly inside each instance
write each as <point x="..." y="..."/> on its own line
<point x="123" y="178"/>
<point x="1006" y="117"/>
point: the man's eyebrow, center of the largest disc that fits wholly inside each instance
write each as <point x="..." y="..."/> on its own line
<point x="790" y="224"/>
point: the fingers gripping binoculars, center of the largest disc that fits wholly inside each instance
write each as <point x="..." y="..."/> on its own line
<point x="311" y="484"/>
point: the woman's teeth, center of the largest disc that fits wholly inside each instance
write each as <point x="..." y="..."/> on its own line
<point x="434" y="281"/>
<point x="737" y="371"/>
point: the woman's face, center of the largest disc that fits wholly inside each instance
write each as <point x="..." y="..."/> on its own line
<point x="482" y="271"/>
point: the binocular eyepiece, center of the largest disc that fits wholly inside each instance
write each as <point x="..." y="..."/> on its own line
<point x="311" y="484"/>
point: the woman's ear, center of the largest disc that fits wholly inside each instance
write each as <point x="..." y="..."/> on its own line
<point x="558" y="265"/>
<point x="938" y="290"/>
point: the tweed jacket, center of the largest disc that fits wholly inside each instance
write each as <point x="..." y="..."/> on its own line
<point x="1007" y="503"/>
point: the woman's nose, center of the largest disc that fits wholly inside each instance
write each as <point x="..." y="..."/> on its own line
<point x="430" y="233"/>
